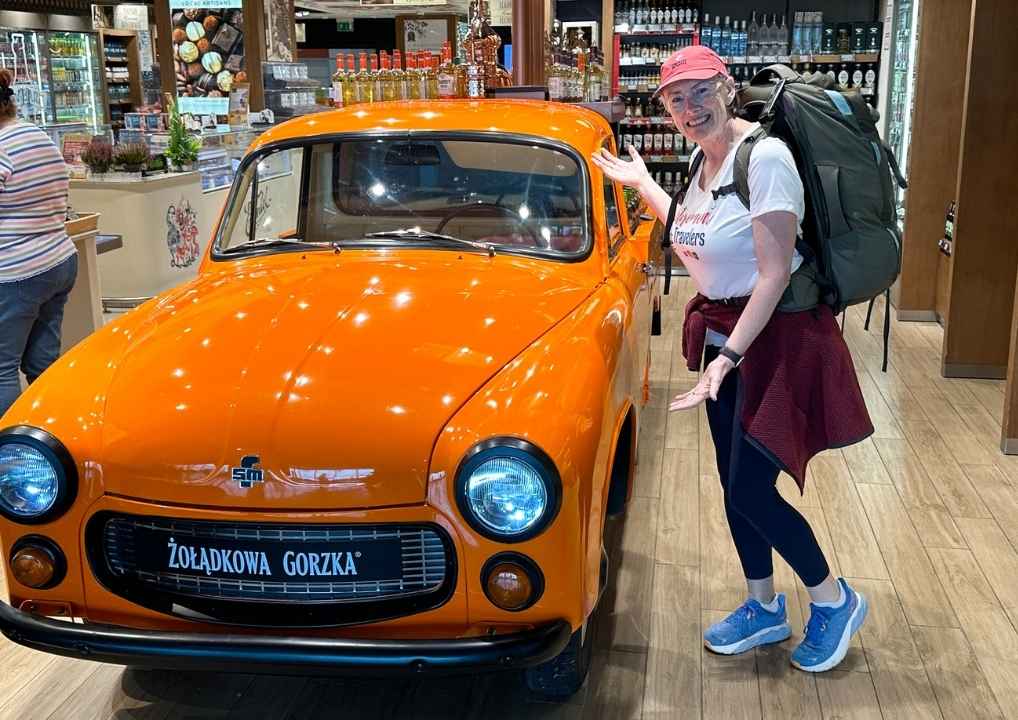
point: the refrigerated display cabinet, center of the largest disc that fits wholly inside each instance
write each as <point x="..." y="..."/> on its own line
<point x="24" y="52"/>
<point x="76" y="74"/>
<point x="901" y="98"/>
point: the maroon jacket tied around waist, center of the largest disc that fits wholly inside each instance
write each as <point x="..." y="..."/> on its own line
<point x="798" y="387"/>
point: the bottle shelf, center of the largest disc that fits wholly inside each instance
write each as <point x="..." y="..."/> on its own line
<point x="644" y="31"/>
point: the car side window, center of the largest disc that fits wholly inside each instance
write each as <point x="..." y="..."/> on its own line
<point x="615" y="234"/>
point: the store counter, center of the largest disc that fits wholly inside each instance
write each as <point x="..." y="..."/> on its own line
<point x="83" y="313"/>
<point x="166" y="222"/>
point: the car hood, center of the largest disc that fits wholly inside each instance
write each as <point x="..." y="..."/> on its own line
<point x="317" y="381"/>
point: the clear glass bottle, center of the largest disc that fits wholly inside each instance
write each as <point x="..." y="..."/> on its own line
<point x="448" y="82"/>
<point x="388" y="80"/>
<point x="413" y="76"/>
<point x="365" y="81"/>
<point x="377" y="89"/>
<point x="399" y="76"/>
<point x="350" y="89"/>
<point x="338" y="83"/>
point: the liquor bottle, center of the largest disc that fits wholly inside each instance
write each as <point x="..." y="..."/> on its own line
<point x="783" y="37"/>
<point x="349" y="82"/>
<point x="633" y="15"/>
<point x="377" y="91"/>
<point x="715" y="33"/>
<point x="413" y="76"/>
<point x="726" y="38"/>
<point x="743" y="34"/>
<point x="844" y="75"/>
<point x="431" y="75"/>
<point x="388" y="80"/>
<point x="753" y="37"/>
<point x="653" y="18"/>
<point x="338" y="81"/>
<point x="398" y="76"/>
<point x="818" y="31"/>
<point x="447" y="80"/>
<point x="796" y="48"/>
<point x="365" y="82"/>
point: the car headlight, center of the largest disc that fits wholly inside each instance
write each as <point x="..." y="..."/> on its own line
<point x="38" y="479"/>
<point x="508" y="489"/>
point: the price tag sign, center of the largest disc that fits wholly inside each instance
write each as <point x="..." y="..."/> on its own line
<point x="848" y="58"/>
<point x="754" y="59"/>
<point x="786" y="59"/>
<point x="739" y="60"/>
<point x="770" y="58"/>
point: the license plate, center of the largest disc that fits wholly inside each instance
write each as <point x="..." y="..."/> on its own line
<point x="161" y="551"/>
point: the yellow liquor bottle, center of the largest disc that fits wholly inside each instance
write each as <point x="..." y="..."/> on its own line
<point x="338" y="81"/>
<point x="431" y="75"/>
<point x="413" y="77"/>
<point x="365" y="82"/>
<point x="377" y="91"/>
<point x="350" y="83"/>
<point x="389" y="91"/>
<point x="398" y="76"/>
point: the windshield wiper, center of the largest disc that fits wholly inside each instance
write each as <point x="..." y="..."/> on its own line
<point x="266" y="242"/>
<point x="417" y="234"/>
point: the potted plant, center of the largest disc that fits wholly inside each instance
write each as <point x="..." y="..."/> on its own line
<point x="97" y="157"/>
<point x="132" y="157"/>
<point x="182" y="147"/>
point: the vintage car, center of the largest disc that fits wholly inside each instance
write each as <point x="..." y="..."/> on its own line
<point x="380" y="431"/>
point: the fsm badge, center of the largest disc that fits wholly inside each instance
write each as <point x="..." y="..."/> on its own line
<point x="247" y="474"/>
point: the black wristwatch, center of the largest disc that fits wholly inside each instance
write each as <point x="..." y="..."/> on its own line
<point x="727" y="352"/>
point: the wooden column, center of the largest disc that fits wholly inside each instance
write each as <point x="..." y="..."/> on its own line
<point x="528" y="42"/>
<point x="977" y="328"/>
<point x="933" y="158"/>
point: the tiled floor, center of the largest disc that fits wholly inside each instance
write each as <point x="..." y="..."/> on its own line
<point x="923" y="518"/>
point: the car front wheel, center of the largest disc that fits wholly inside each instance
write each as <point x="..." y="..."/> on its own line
<point x="563" y="675"/>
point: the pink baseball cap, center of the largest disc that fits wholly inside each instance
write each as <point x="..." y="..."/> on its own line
<point x="696" y="62"/>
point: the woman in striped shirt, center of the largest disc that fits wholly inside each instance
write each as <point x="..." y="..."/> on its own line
<point x="38" y="262"/>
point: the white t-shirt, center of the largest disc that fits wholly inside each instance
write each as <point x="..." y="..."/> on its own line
<point x="714" y="237"/>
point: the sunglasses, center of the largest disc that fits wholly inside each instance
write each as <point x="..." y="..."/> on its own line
<point x="697" y="96"/>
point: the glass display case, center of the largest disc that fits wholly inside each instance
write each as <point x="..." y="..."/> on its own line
<point x="290" y="91"/>
<point x="901" y="99"/>
<point x="76" y="80"/>
<point x="24" y="53"/>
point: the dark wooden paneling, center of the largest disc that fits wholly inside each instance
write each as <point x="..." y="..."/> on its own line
<point x="933" y="164"/>
<point x="977" y="330"/>
<point x="528" y="48"/>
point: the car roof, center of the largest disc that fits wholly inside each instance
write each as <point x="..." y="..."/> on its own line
<point x="573" y="125"/>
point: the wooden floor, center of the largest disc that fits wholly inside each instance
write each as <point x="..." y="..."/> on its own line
<point x="922" y="518"/>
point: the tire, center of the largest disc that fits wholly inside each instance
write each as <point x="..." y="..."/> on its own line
<point x="559" y="678"/>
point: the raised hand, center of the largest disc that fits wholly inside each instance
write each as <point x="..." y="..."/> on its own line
<point x="632" y="172"/>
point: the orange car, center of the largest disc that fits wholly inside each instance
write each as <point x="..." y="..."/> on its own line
<point x="380" y="431"/>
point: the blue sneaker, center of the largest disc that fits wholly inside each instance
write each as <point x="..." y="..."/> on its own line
<point x="751" y="624"/>
<point x="829" y="631"/>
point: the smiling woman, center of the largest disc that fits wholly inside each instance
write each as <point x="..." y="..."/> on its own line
<point x="513" y="196"/>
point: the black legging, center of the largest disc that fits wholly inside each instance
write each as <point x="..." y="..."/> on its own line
<point x="758" y="517"/>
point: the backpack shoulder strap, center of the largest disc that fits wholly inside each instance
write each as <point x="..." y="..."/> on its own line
<point x="740" y="170"/>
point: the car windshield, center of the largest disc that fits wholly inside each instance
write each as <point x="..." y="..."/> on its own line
<point x="464" y="193"/>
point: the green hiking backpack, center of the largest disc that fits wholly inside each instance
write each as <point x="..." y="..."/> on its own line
<point x="850" y="242"/>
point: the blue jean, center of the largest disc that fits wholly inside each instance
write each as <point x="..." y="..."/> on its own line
<point x="31" y="312"/>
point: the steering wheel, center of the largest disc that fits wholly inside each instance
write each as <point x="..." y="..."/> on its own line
<point x="512" y="214"/>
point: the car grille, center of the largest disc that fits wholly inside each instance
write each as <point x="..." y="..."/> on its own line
<point x="421" y="573"/>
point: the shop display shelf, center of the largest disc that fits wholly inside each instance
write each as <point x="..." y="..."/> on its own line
<point x="645" y="31"/>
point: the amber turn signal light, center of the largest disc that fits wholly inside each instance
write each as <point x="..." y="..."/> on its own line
<point x="508" y="586"/>
<point x="37" y="564"/>
<point x="512" y="581"/>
